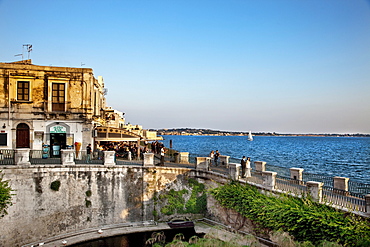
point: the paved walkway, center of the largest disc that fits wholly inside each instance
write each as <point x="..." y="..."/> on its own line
<point x="134" y="227"/>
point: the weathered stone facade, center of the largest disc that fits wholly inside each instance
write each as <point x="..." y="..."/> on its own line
<point x="57" y="106"/>
<point x="87" y="196"/>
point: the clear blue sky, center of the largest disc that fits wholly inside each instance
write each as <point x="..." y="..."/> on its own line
<point x="289" y="66"/>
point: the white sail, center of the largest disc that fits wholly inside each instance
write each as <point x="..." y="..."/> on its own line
<point x="250" y="137"/>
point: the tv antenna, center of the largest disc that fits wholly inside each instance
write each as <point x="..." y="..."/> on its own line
<point x="20" y="54"/>
<point x="29" y="49"/>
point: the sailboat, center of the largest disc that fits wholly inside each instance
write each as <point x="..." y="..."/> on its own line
<point x="250" y="137"/>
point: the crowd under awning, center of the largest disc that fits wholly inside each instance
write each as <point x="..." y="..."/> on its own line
<point x="109" y="134"/>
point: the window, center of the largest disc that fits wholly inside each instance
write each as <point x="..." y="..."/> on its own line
<point x="3" y="139"/>
<point x="23" y="90"/>
<point x="58" y="96"/>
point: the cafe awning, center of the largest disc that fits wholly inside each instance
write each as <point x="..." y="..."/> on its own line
<point x="115" y="135"/>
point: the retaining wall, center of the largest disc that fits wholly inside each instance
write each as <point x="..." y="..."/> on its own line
<point x="88" y="197"/>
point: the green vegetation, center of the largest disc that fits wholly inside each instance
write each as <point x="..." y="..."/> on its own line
<point x="55" y="185"/>
<point x="176" y="203"/>
<point x="304" y="219"/>
<point x="199" y="242"/>
<point x="5" y="196"/>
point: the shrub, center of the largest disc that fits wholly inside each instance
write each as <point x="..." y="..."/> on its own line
<point x="302" y="218"/>
<point x="5" y="196"/>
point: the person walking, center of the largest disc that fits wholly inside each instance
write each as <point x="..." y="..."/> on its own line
<point x="211" y="155"/>
<point x="163" y="151"/>
<point x="217" y="154"/>
<point x="243" y="163"/>
<point x="88" y="153"/>
<point x="248" y="167"/>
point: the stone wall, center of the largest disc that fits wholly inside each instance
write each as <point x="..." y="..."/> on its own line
<point x="87" y="197"/>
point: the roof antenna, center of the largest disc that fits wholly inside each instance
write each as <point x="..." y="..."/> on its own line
<point x="29" y="49"/>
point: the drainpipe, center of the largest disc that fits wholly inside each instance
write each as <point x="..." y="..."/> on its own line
<point x="8" y="98"/>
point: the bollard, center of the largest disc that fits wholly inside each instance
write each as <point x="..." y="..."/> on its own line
<point x="22" y="157"/>
<point x="67" y="157"/>
<point x="234" y="171"/>
<point x="202" y="163"/>
<point x="184" y="157"/>
<point x="148" y="159"/>
<point x="269" y="179"/>
<point x="260" y="166"/>
<point x="367" y="202"/>
<point x="224" y="160"/>
<point x="340" y="183"/>
<point x="177" y="157"/>
<point x="109" y="157"/>
<point x="297" y="175"/>
<point x="315" y="190"/>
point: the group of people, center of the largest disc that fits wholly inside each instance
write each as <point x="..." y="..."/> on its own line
<point x="126" y="150"/>
<point x="214" y="157"/>
<point x="245" y="162"/>
<point x="246" y="165"/>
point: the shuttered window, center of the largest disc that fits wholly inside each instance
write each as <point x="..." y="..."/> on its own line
<point x="58" y="96"/>
<point x="23" y="90"/>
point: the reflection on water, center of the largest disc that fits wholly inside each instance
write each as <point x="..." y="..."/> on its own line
<point x="136" y="239"/>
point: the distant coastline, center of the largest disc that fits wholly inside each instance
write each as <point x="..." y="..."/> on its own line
<point x="209" y="132"/>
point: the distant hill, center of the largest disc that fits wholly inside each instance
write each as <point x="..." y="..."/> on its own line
<point x="209" y="132"/>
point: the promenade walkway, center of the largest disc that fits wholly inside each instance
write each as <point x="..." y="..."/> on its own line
<point x="201" y="227"/>
<point x="334" y="191"/>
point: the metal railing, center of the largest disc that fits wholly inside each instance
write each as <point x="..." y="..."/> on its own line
<point x="290" y="185"/>
<point x="343" y="200"/>
<point x="354" y="188"/>
<point x="7" y="156"/>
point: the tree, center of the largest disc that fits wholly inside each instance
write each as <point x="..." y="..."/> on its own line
<point x="5" y="196"/>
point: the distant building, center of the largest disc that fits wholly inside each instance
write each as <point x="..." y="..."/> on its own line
<point x="57" y="106"/>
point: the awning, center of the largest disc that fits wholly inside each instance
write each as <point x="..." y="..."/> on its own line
<point x="115" y="135"/>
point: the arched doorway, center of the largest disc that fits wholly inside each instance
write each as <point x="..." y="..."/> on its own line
<point x="23" y="136"/>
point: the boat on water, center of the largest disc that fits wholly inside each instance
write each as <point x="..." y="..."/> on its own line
<point x="250" y="137"/>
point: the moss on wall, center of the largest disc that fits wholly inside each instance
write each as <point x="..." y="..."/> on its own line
<point x="185" y="201"/>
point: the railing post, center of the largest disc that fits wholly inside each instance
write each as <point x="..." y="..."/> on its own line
<point x="315" y="190"/>
<point x="109" y="157"/>
<point x="340" y="183"/>
<point x="269" y="179"/>
<point x="260" y="166"/>
<point x="296" y="174"/>
<point x="67" y="157"/>
<point x="367" y="203"/>
<point x="224" y="159"/>
<point x="22" y="157"/>
<point x="202" y="163"/>
<point x="148" y="159"/>
<point x="234" y="171"/>
<point x="184" y="157"/>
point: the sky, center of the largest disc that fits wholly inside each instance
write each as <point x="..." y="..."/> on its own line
<point x="286" y="66"/>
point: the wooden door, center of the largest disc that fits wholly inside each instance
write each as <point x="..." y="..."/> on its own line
<point x="23" y="136"/>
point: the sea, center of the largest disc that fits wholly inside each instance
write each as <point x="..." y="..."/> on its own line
<point x="328" y="156"/>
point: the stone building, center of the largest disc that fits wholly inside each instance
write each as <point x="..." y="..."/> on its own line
<point x="57" y="106"/>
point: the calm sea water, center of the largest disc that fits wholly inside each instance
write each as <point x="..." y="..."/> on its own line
<point x="330" y="156"/>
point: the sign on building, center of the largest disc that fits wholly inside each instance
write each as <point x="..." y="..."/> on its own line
<point x="58" y="129"/>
